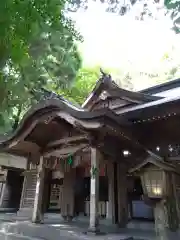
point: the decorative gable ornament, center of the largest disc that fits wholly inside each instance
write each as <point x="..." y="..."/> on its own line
<point x="104" y="95"/>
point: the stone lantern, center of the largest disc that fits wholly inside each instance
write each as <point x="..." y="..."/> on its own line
<point x="154" y="173"/>
<point x="153" y="181"/>
<point x="159" y="182"/>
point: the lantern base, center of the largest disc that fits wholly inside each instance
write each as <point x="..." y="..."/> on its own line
<point x="151" y="201"/>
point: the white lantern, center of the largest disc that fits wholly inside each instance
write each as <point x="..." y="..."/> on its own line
<point x="153" y="181"/>
<point x="153" y="172"/>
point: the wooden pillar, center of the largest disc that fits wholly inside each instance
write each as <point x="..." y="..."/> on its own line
<point x="122" y="196"/>
<point x="3" y="194"/>
<point x="4" y="191"/>
<point x="37" y="215"/>
<point x="166" y="213"/>
<point x="67" y="202"/>
<point x="111" y="203"/>
<point x="94" y="191"/>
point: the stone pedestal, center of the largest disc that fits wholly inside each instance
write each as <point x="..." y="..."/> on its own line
<point x="166" y="211"/>
<point x="68" y="197"/>
<point x="166" y="220"/>
<point x="122" y="196"/>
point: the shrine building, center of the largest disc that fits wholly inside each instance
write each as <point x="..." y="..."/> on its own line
<point x="111" y="158"/>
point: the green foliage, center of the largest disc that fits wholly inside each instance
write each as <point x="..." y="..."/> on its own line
<point x="37" y="46"/>
<point x="81" y="87"/>
<point x="24" y="21"/>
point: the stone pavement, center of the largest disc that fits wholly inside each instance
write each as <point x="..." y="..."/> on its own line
<point x="54" y="228"/>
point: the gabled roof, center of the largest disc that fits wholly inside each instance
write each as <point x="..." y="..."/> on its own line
<point x="99" y="120"/>
<point x="105" y="83"/>
<point x="156" y="161"/>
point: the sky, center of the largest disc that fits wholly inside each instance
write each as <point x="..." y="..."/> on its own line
<point x="112" y="41"/>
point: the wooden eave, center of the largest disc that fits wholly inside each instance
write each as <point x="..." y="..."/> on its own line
<point x="168" y="104"/>
<point x="173" y="84"/>
<point x="154" y="124"/>
<point x="134" y="97"/>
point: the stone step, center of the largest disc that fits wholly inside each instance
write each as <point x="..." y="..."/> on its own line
<point x="33" y="231"/>
<point x="13" y="236"/>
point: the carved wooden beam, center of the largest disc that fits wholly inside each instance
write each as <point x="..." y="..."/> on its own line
<point x="66" y="150"/>
<point x="67" y="140"/>
<point x="84" y="123"/>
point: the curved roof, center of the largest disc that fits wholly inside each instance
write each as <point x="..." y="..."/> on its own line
<point x="60" y="108"/>
<point x="79" y="117"/>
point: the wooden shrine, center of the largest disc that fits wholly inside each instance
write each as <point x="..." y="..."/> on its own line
<point x="112" y="132"/>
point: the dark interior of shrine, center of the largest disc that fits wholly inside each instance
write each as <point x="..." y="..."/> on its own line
<point x="12" y="191"/>
<point x="137" y="208"/>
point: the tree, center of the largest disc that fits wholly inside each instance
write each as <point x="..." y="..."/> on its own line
<point x="174" y="7"/>
<point x="81" y="87"/>
<point x="140" y="9"/>
<point x="37" y="46"/>
<point x="23" y="22"/>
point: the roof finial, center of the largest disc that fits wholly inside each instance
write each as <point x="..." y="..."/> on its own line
<point x="105" y="76"/>
<point x="102" y="72"/>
